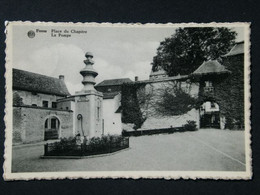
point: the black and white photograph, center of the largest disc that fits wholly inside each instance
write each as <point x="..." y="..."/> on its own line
<point x="103" y="100"/>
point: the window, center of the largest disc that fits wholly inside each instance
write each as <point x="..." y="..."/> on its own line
<point x="208" y="87"/>
<point x="67" y="108"/>
<point x="45" y="104"/>
<point x="208" y="84"/>
<point x="54" y="105"/>
<point x="53" y="123"/>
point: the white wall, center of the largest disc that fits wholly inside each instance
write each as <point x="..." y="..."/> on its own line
<point x="207" y="107"/>
<point x="112" y="120"/>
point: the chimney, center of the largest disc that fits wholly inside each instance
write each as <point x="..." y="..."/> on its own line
<point x="61" y="77"/>
<point x="136" y="78"/>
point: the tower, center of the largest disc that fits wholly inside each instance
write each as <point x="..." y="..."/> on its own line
<point x="88" y="103"/>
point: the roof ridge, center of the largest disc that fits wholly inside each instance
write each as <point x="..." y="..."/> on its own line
<point x="37" y="74"/>
<point x="116" y="79"/>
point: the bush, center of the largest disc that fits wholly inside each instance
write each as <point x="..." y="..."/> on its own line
<point x="190" y="126"/>
<point x="95" y="145"/>
<point x="68" y="141"/>
<point x="175" y="102"/>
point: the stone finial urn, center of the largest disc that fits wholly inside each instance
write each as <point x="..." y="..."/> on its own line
<point x="88" y="73"/>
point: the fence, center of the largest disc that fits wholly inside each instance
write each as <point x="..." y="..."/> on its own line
<point x="57" y="149"/>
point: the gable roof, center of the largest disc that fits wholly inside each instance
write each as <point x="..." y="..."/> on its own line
<point x="28" y="81"/>
<point x="113" y="82"/>
<point x="236" y="50"/>
<point x="211" y="66"/>
<point x="110" y="95"/>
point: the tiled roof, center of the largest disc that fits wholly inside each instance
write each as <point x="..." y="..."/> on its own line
<point x="211" y="66"/>
<point x="28" y="81"/>
<point x="236" y="50"/>
<point x="110" y="95"/>
<point x="113" y="82"/>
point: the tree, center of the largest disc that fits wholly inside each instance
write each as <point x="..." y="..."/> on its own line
<point x="188" y="48"/>
<point x="175" y="101"/>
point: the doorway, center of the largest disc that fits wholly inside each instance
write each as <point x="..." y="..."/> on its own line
<point x="209" y="115"/>
<point x="51" y="128"/>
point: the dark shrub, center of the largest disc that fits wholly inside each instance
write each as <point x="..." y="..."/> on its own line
<point x="190" y="126"/>
<point x="95" y="145"/>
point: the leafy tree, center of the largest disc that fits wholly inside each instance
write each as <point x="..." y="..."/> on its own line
<point x="175" y="101"/>
<point x="188" y="48"/>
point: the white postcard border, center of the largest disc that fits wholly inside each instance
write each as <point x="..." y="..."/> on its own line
<point x="8" y="175"/>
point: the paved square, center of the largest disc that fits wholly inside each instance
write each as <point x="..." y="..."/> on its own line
<point x="203" y="150"/>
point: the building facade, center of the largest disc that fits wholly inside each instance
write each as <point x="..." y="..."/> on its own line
<point x="112" y="123"/>
<point x="111" y="89"/>
<point x="37" y="115"/>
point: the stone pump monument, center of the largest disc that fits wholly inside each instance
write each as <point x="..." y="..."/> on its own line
<point x="88" y="103"/>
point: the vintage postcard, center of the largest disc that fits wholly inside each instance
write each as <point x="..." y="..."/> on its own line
<point x="102" y="100"/>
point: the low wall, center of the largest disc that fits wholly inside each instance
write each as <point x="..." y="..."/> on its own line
<point x="160" y="122"/>
<point x="152" y="131"/>
<point x="28" y="123"/>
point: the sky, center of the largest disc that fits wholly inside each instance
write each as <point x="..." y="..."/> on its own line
<point x="119" y="52"/>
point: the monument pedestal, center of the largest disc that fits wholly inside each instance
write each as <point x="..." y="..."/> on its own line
<point x="88" y="103"/>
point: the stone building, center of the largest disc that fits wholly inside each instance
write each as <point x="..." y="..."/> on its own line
<point x="218" y="88"/>
<point x="111" y="90"/>
<point x="209" y="74"/>
<point x="37" y="115"/>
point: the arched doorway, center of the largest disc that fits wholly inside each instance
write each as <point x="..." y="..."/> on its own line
<point x="209" y="115"/>
<point x="51" y="128"/>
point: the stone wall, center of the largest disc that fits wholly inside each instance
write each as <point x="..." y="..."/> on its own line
<point x="155" y="119"/>
<point x="28" y="123"/>
<point x="148" y="96"/>
<point x="152" y="93"/>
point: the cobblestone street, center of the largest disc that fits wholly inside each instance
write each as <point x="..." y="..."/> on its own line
<point x="203" y="150"/>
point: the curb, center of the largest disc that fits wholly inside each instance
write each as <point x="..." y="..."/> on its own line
<point x="83" y="157"/>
